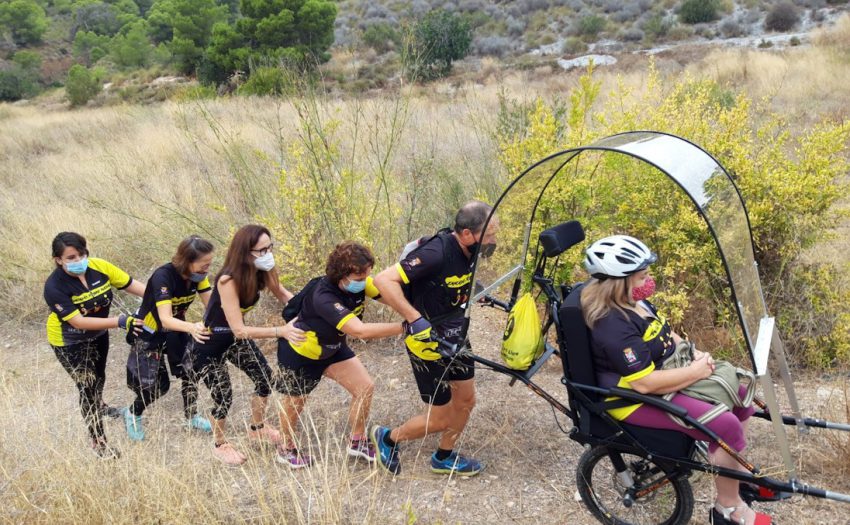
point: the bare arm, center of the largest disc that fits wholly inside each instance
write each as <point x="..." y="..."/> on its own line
<point x="357" y="328"/>
<point x="136" y="288"/>
<point x="82" y="322"/>
<point x="283" y="295"/>
<point x="197" y="330"/>
<point x="230" y="305"/>
<point x="389" y="283"/>
<point x="673" y="380"/>
<point x="205" y="297"/>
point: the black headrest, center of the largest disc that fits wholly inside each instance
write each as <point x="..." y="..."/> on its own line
<point x="560" y="238"/>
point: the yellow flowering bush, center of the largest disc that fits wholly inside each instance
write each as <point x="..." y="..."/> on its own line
<point x="790" y="184"/>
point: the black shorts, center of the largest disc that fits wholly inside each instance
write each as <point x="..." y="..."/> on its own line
<point x="300" y="375"/>
<point x="432" y="377"/>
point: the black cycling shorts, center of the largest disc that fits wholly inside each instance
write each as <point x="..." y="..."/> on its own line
<point x="432" y="377"/>
<point x="300" y="375"/>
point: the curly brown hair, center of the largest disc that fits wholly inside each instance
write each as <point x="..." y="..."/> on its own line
<point x="348" y="257"/>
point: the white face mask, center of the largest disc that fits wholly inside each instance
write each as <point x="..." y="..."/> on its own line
<point x="264" y="262"/>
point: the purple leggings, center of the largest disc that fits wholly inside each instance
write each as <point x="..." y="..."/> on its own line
<point x="727" y="425"/>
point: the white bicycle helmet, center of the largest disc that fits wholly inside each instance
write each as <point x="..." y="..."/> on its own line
<point x="617" y="256"/>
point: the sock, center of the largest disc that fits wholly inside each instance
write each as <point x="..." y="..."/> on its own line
<point x="442" y="454"/>
<point x="257" y="427"/>
<point x="357" y="437"/>
<point x="387" y="441"/>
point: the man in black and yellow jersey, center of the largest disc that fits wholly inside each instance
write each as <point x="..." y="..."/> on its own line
<point x="79" y="295"/>
<point x="330" y="312"/>
<point x="438" y="275"/>
<point x="170" y="292"/>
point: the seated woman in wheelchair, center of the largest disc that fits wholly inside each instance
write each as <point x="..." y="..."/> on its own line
<point x="630" y="340"/>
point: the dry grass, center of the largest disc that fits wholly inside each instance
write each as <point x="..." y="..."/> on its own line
<point x="48" y="476"/>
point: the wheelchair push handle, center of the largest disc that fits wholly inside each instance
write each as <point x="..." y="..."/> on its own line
<point x="447" y="349"/>
<point x="489" y="300"/>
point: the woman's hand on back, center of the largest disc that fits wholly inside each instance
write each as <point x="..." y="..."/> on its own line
<point x="291" y="333"/>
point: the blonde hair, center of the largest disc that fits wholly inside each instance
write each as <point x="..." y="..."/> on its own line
<point x="599" y="297"/>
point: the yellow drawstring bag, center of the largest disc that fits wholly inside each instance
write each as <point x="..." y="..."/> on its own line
<point x="522" y="342"/>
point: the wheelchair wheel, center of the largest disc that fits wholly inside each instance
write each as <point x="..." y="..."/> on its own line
<point x="658" y="495"/>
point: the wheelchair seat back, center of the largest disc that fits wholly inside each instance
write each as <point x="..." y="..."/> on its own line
<point x="577" y="363"/>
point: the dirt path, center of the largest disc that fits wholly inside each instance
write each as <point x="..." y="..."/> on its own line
<point x="529" y="476"/>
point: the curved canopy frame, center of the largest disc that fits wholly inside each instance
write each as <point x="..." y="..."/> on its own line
<point x="716" y="199"/>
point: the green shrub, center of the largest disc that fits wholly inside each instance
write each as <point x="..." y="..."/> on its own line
<point x="590" y="26"/>
<point x="783" y="17"/>
<point x="382" y="37"/>
<point x="24" y="20"/>
<point x="439" y="39"/>
<point x="791" y="185"/>
<point x="10" y="87"/>
<point x="194" y="92"/>
<point x="82" y="85"/>
<point x="698" y="11"/>
<point x="656" y="26"/>
<point x="266" y="80"/>
<point x="574" y="45"/>
<point x="297" y="33"/>
<point x="131" y="48"/>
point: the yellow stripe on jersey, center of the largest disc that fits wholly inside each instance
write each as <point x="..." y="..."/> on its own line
<point x="150" y="321"/>
<point x="70" y="315"/>
<point x="91" y="294"/>
<point x="186" y="299"/>
<point x="54" y="329"/>
<point x="371" y="290"/>
<point x="401" y="273"/>
<point x="344" y="320"/>
<point x="622" y="413"/>
<point x="310" y="348"/>
<point x="117" y="277"/>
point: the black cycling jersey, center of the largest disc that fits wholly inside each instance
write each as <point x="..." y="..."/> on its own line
<point x="439" y="275"/>
<point x="627" y="347"/>
<point x="67" y="297"/>
<point x="167" y="286"/>
<point x="214" y="318"/>
<point x="324" y="312"/>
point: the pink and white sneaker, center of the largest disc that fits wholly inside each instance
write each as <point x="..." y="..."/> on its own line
<point x="362" y="448"/>
<point x="292" y="458"/>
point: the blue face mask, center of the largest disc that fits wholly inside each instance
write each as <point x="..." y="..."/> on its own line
<point x="77" y="267"/>
<point x="197" y="277"/>
<point x="355" y="286"/>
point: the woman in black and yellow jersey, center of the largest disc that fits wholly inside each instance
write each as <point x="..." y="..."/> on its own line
<point x="248" y="269"/>
<point x="79" y="293"/>
<point x="165" y="334"/>
<point x="329" y="313"/>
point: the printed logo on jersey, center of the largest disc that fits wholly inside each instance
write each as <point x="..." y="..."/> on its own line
<point x="414" y="262"/>
<point x="339" y="307"/>
<point x="58" y="307"/>
<point x="630" y="356"/>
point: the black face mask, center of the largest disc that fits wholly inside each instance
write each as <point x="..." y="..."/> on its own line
<point x="486" y="249"/>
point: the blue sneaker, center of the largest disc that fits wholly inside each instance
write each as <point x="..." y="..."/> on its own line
<point x="456" y="464"/>
<point x="133" y="423"/>
<point x="386" y="456"/>
<point x="200" y="423"/>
